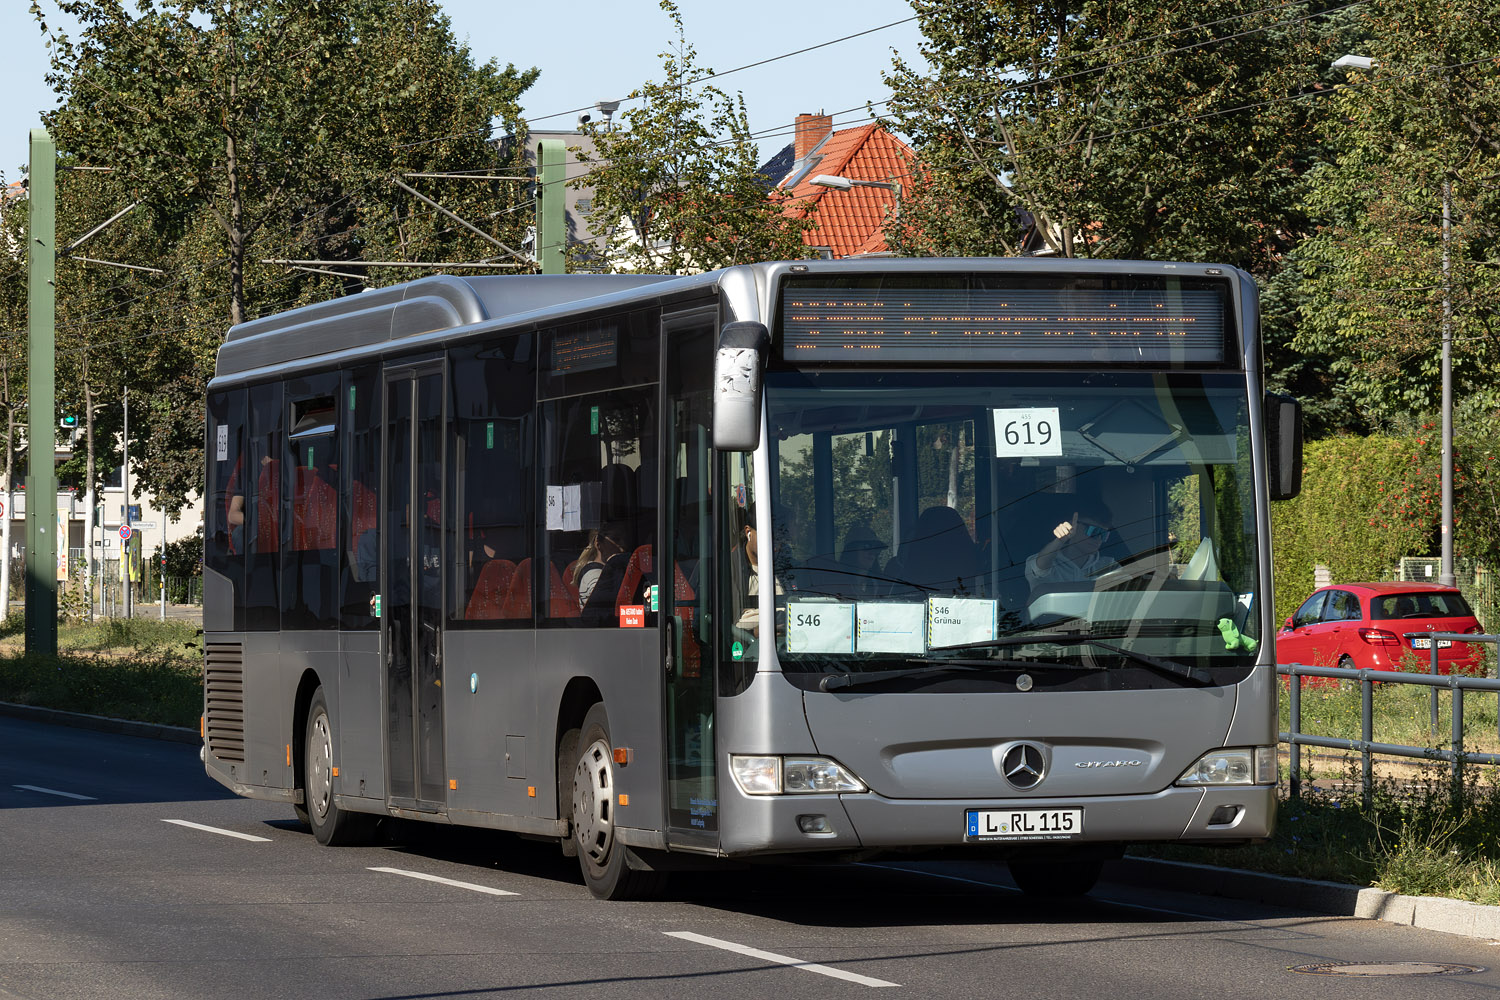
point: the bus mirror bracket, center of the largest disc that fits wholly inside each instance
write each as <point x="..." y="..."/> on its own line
<point x="738" y="366"/>
<point x="1283" y="416"/>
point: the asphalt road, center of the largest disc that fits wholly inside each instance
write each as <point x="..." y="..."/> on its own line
<point x="106" y="893"/>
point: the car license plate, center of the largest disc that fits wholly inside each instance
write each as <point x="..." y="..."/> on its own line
<point x="1024" y="824"/>
<point x="1425" y="643"/>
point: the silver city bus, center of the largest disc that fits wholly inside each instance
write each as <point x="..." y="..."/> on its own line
<point x="487" y="551"/>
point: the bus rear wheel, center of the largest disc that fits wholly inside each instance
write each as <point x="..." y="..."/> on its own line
<point x="602" y="859"/>
<point x="1055" y="879"/>
<point x="331" y="825"/>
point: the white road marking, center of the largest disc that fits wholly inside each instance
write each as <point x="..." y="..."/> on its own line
<point x="771" y="956"/>
<point x="214" y="829"/>
<point x="53" y="791"/>
<point x="446" y="881"/>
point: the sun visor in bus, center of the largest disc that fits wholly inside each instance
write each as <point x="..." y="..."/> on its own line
<point x="743" y="349"/>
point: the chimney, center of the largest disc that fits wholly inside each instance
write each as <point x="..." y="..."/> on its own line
<point x="811" y="130"/>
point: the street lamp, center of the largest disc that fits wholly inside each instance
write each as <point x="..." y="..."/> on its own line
<point x="838" y="183"/>
<point x="1445" y="567"/>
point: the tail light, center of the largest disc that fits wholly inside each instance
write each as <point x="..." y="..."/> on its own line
<point x="1379" y="637"/>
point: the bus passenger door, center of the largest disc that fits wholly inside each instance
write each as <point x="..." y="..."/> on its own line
<point x="686" y="578"/>
<point x="411" y="588"/>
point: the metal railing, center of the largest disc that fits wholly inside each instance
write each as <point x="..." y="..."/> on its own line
<point x="1458" y="684"/>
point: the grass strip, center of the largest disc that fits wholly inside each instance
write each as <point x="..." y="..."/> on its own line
<point x="1418" y="835"/>
<point x="142" y="670"/>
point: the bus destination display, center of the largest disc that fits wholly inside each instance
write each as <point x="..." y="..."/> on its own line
<point x="1002" y="324"/>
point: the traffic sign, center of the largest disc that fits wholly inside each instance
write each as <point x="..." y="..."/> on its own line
<point x="124" y="532"/>
<point x="142" y="525"/>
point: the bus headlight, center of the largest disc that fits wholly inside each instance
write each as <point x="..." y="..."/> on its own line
<point x="1246" y="766"/>
<point x="792" y="775"/>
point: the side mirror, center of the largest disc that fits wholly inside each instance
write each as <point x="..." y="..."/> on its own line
<point x="1283" y="417"/>
<point x="1287" y="624"/>
<point x="743" y="349"/>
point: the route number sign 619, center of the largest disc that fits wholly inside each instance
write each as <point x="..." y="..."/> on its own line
<point x="1030" y="432"/>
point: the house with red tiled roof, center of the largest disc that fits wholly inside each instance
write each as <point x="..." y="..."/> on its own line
<point x="870" y="168"/>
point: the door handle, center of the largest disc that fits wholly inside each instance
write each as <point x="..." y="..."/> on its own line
<point x="669" y="622"/>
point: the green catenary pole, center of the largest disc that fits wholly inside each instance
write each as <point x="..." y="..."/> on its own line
<point x="41" y="477"/>
<point x="551" y="206"/>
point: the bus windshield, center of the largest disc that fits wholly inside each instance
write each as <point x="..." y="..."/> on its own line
<point x="1088" y="530"/>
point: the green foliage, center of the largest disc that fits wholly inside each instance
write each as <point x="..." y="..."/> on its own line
<point x="1366" y="502"/>
<point x="141" y="669"/>
<point x="1425" y="118"/>
<point x="1129" y="130"/>
<point x="1363" y="506"/>
<point x="166" y="689"/>
<point x="184" y="556"/>
<point x="264" y="130"/>
<point x="676" y="186"/>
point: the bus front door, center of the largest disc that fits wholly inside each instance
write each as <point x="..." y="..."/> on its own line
<point x="411" y="589"/>
<point x="687" y="579"/>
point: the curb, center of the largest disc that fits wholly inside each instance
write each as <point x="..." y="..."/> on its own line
<point x="103" y="724"/>
<point x="1433" y="913"/>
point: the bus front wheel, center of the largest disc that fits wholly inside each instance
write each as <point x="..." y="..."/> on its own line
<point x="603" y="860"/>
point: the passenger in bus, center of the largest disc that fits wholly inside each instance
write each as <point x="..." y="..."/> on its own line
<point x="1073" y="556"/>
<point x="599" y="572"/>
<point x="744" y="561"/>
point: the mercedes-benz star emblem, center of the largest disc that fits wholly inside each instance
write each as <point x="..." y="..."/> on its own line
<point x="1023" y="765"/>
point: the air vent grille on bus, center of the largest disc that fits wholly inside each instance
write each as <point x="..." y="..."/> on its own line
<point x="224" y="699"/>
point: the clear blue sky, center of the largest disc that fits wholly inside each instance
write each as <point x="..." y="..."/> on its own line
<point x="595" y="50"/>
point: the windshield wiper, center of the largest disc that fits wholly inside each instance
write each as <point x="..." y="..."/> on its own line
<point x="934" y="665"/>
<point x="1161" y="665"/>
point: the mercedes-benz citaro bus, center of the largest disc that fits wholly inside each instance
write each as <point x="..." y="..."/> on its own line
<point x="928" y="558"/>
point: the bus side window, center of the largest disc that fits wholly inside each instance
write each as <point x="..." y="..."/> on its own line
<point x="224" y="536"/>
<point x="262" y="481"/>
<point x="309" y="523"/>
<point x="491" y="442"/>
<point x="599" y="522"/>
<point x="359" y="403"/>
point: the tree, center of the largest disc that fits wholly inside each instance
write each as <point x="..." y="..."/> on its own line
<point x="677" y="190"/>
<point x="264" y="131"/>
<point x="1426" y="118"/>
<point x="1128" y="129"/>
<point x="264" y="112"/>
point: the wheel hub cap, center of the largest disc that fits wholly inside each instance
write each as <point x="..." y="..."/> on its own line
<point x="320" y="767"/>
<point x="593" y="801"/>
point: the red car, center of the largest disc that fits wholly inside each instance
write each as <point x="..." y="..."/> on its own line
<point x="1381" y="626"/>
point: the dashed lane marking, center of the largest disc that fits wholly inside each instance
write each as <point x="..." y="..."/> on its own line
<point x="447" y="881"/>
<point x="771" y="956"/>
<point x="53" y="791"/>
<point x="214" y="829"/>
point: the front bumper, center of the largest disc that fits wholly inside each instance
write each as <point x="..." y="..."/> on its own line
<point x="872" y="823"/>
